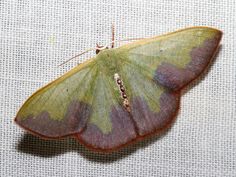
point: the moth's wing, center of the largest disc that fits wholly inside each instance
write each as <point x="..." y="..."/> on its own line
<point x="83" y="100"/>
<point x="157" y="68"/>
<point x="176" y="58"/>
<point x="62" y="107"/>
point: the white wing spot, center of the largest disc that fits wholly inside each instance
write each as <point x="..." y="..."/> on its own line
<point x="122" y="90"/>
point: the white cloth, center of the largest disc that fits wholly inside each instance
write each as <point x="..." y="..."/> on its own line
<point x="36" y="36"/>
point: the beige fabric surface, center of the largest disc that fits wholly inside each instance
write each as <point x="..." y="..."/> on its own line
<point x="36" y="36"/>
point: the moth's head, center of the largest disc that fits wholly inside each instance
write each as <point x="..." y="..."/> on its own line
<point x="99" y="48"/>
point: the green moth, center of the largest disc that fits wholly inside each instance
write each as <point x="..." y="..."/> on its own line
<point x="122" y="94"/>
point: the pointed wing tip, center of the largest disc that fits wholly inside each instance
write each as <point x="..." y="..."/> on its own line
<point x="218" y="34"/>
<point x="37" y="133"/>
<point x="219" y="31"/>
<point x="17" y="120"/>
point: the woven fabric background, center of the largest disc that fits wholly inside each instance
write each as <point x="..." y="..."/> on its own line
<point x="36" y="36"/>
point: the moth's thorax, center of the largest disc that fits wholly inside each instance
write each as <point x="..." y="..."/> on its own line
<point x="109" y="61"/>
<point x="106" y="53"/>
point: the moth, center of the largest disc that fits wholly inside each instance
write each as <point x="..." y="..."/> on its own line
<point x="122" y="94"/>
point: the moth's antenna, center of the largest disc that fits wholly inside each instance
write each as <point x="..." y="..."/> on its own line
<point x="101" y="48"/>
<point x="76" y="56"/>
<point x="112" y="35"/>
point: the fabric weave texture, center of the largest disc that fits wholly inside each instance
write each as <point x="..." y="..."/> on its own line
<point x="36" y="36"/>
